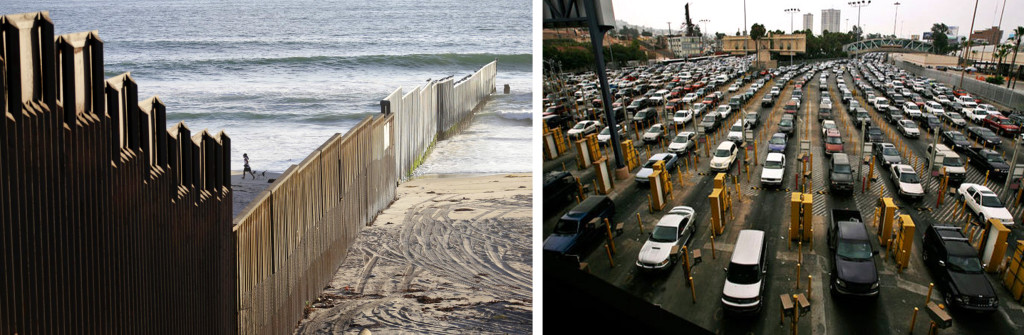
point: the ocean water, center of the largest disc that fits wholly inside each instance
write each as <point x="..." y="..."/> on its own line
<point x="281" y="77"/>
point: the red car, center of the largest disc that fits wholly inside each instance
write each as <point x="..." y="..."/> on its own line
<point x="833" y="142"/>
<point x="1001" y="125"/>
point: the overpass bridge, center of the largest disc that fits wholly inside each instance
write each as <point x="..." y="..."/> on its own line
<point x="900" y="45"/>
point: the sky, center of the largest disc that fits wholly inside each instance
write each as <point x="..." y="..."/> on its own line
<point x="913" y="16"/>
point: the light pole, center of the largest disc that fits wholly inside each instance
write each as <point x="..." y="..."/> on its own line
<point x="896" y="13"/>
<point x="846" y="26"/>
<point x="859" y="4"/>
<point x="744" y="17"/>
<point x="705" y="22"/>
<point x="791" y="11"/>
<point x="961" y="84"/>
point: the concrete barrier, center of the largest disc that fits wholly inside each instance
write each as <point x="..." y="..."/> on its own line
<point x="999" y="94"/>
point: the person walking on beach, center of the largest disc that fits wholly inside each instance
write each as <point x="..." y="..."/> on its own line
<point x="247" y="168"/>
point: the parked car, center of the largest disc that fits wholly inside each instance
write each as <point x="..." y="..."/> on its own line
<point x="984" y="204"/>
<point x="990" y="161"/>
<point x="984" y="136"/>
<point x="833" y="142"/>
<point x="675" y="229"/>
<point x="931" y="122"/>
<point x="584" y="128"/>
<point x="957" y="271"/>
<point x="606" y="134"/>
<point x="786" y="125"/>
<point x="891" y="114"/>
<point x="934" y="108"/>
<point x="746" y="274"/>
<point x="774" y="169"/>
<point x="682" y="143"/>
<point x="560" y="189"/>
<point x="710" y="122"/>
<point x="908" y="128"/>
<point x="826" y="126"/>
<point x="874" y="134"/>
<point x="949" y="161"/>
<point x="645" y="117"/>
<point x="736" y="132"/>
<point x="840" y="173"/>
<point x="854" y="272"/>
<point x="669" y="159"/>
<point x="724" y="156"/>
<point x="908" y="183"/>
<point x="724" y="111"/>
<point x="955" y="119"/>
<point x="752" y="120"/>
<point x="955" y="140"/>
<point x="777" y="143"/>
<point x="574" y="229"/>
<point x="911" y="110"/>
<point x="768" y="100"/>
<point x="887" y="154"/>
<point x="1001" y="125"/>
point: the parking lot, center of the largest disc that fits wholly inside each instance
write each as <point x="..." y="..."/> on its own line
<point x="768" y="209"/>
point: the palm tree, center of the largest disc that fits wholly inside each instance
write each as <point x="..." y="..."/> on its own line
<point x="1001" y="52"/>
<point x="756" y="32"/>
<point x="1017" y="32"/>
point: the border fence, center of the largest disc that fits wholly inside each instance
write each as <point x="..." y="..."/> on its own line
<point x="1002" y="95"/>
<point x="434" y="111"/>
<point x="109" y="224"/>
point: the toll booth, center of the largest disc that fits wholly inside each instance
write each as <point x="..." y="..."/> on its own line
<point x="808" y="214"/>
<point x="801" y="216"/>
<point x="904" y="240"/>
<point x="715" y="199"/>
<point x="660" y="186"/>
<point x="554" y="143"/>
<point x="885" y="217"/>
<point x="631" y="155"/>
<point x="587" y="151"/>
<point x="795" y="203"/>
<point x="726" y="195"/>
<point x="1013" y="278"/>
<point x="603" y="176"/>
<point x="994" y="245"/>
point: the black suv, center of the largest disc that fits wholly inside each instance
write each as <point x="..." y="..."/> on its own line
<point x="840" y="173"/>
<point x="560" y="189"/>
<point x="955" y="266"/>
<point x="853" y="259"/>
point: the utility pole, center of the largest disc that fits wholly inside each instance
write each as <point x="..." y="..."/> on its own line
<point x="744" y="17"/>
<point x="705" y="22"/>
<point x="669" y="28"/>
<point x="894" y="15"/>
<point x="973" y="16"/>
<point x="859" y="4"/>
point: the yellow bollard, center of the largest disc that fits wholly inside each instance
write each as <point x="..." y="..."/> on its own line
<point x="798" y="276"/>
<point x="693" y="290"/>
<point x="747" y="167"/>
<point x="611" y="240"/>
<point x="713" y="245"/>
<point x="809" y="287"/>
<point x="650" y="204"/>
<point x="609" y="252"/>
<point x="985" y="183"/>
<point x="929" y="296"/>
<point x="913" y="319"/>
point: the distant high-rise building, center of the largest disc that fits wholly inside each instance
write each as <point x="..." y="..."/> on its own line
<point x="808" y="21"/>
<point x="991" y="35"/>
<point x="830" y="20"/>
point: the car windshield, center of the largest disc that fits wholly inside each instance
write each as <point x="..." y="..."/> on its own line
<point x="736" y="127"/>
<point x="957" y="136"/>
<point x="566" y="227"/>
<point x="991" y="201"/>
<point x="954" y="116"/>
<point x="723" y="108"/>
<point x="952" y="161"/>
<point x="709" y="118"/>
<point x="682" y="114"/>
<point x="829" y="126"/>
<point x="663" y="234"/>
<point x="889" y="151"/>
<point x="654" y="129"/>
<point x="680" y="139"/>
<point x="777" y="140"/>
<point x="641" y="114"/>
<point x="968" y="264"/>
<point x="786" y="123"/>
<point x="773" y="164"/>
<point x="1006" y="122"/>
<point x="722" y="153"/>
<point x="742" y="274"/>
<point x="911" y="178"/>
<point x="874" y="131"/>
<point x="994" y="158"/>
<point x="833" y="140"/>
<point x="580" y="126"/>
<point x="909" y="125"/>
<point x="606" y="131"/>
<point x="842" y="168"/>
<point x="854" y="249"/>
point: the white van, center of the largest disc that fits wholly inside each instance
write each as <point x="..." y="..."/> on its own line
<point x="745" y="276"/>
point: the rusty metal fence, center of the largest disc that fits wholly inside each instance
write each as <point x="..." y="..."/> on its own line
<point x="434" y="111"/>
<point x="109" y="224"/>
<point x="293" y="237"/>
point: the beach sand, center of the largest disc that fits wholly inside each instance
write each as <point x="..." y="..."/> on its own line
<point x="245" y="190"/>
<point x="451" y="255"/>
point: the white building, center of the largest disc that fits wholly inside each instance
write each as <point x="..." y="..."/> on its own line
<point x="683" y="46"/>
<point x="830" y="20"/>
<point x="809" y="21"/>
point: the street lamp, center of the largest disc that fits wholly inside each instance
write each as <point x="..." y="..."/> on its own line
<point x="705" y="22"/>
<point x="791" y="11"/>
<point x="859" y="4"/>
<point x="894" y="15"/>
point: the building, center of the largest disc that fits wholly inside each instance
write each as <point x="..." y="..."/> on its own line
<point x="684" y="46"/>
<point x="991" y="35"/>
<point x="808" y="21"/>
<point x="782" y="45"/>
<point x="830" y="20"/>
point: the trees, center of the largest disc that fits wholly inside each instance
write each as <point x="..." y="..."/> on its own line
<point x="1019" y="32"/>
<point x="1000" y="53"/>
<point x="757" y="31"/>
<point x="856" y="32"/>
<point x="940" y="42"/>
